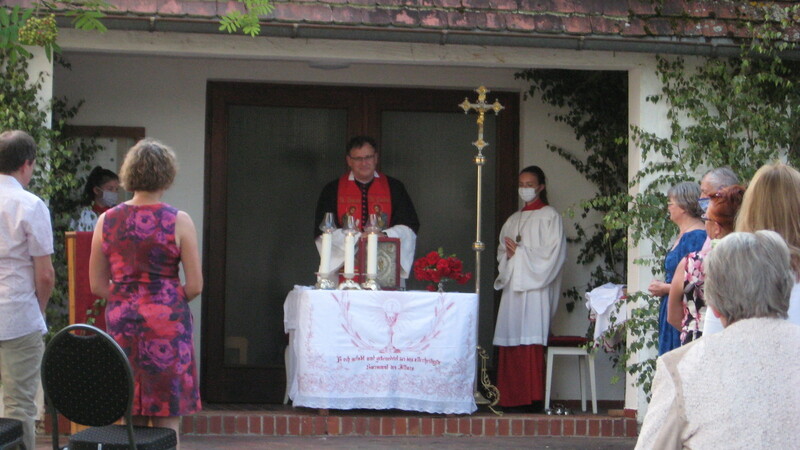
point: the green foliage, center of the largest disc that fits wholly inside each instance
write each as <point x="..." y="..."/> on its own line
<point x="58" y="162"/>
<point x="597" y="111"/>
<point x="248" y="21"/>
<point x="37" y="25"/>
<point x="10" y="23"/>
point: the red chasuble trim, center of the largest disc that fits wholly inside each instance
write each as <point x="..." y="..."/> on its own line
<point x="534" y="205"/>
<point x="379" y="198"/>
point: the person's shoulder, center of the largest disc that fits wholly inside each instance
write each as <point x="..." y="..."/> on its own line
<point x="549" y="211"/>
<point x="672" y="358"/>
<point x="333" y="184"/>
<point x="392" y="180"/>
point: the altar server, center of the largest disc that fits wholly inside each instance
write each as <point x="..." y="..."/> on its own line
<point x="364" y="190"/>
<point x="530" y="256"/>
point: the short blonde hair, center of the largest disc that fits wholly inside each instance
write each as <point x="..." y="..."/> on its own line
<point x="749" y="275"/>
<point x="149" y="166"/>
<point x="772" y="202"/>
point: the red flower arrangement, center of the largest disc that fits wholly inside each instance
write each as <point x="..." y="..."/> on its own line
<point x="437" y="269"/>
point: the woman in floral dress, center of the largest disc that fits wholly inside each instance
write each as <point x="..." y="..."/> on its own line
<point x="137" y="249"/>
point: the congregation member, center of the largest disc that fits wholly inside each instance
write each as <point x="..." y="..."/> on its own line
<point x="137" y="249"/>
<point x="714" y="180"/>
<point x="100" y="193"/>
<point x="530" y="256"/>
<point x="26" y="280"/>
<point x="684" y="212"/>
<point x="364" y="190"/>
<point x="772" y="202"/>
<point x="737" y="388"/>
<point x="687" y="307"/>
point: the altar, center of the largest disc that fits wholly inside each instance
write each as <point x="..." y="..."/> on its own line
<point x="381" y="350"/>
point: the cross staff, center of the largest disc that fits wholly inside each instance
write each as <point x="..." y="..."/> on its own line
<point x="481" y="107"/>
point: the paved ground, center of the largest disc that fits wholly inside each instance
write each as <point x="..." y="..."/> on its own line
<point x="369" y="442"/>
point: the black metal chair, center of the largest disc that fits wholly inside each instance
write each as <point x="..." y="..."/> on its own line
<point x="10" y="434"/>
<point x="88" y="379"/>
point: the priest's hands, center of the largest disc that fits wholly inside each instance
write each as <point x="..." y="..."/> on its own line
<point x="511" y="247"/>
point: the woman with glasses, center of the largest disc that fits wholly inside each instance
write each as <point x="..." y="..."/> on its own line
<point x="687" y="306"/>
<point x="684" y="212"/>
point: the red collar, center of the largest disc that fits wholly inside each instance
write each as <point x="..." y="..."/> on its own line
<point x="534" y="205"/>
<point x="99" y="209"/>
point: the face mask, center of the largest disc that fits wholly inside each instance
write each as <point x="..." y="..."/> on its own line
<point x="704" y="203"/>
<point x="527" y="194"/>
<point x="110" y="198"/>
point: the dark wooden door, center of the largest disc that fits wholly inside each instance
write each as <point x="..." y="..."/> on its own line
<point x="269" y="151"/>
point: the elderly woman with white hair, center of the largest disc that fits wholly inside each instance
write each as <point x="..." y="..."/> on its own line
<point x="739" y="388"/>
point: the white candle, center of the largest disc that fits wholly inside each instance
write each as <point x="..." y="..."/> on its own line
<point x="325" y="254"/>
<point x="349" y="253"/>
<point x="372" y="254"/>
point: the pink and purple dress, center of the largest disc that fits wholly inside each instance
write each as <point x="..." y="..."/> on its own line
<point x="147" y="312"/>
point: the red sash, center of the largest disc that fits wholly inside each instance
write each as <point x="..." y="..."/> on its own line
<point x="379" y="199"/>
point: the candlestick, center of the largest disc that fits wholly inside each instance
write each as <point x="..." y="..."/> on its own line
<point x="372" y="254"/>
<point x="325" y="254"/>
<point x="349" y="253"/>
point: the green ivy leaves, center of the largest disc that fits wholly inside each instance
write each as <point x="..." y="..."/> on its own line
<point x="248" y="21"/>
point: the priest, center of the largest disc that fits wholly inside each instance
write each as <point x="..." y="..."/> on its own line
<point x="363" y="191"/>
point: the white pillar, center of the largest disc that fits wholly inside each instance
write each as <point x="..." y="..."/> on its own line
<point x="39" y="64"/>
<point x="642" y="82"/>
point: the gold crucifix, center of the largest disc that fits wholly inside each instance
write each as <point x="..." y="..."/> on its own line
<point x="481" y="107"/>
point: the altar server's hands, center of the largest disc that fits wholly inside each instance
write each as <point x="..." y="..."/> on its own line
<point x="511" y="247"/>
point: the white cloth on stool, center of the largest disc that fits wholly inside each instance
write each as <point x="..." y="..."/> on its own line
<point x="602" y="304"/>
<point x="531" y="279"/>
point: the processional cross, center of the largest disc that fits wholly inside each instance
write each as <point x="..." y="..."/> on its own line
<point x="482" y="108"/>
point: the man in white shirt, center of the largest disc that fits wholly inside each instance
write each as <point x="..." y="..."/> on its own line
<point x="26" y="279"/>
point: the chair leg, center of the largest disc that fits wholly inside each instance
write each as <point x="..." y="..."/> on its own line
<point x="592" y="382"/>
<point x="548" y="380"/>
<point x="287" y="362"/>
<point x="581" y="368"/>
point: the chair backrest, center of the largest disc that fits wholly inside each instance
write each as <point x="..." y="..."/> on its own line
<point x="87" y="377"/>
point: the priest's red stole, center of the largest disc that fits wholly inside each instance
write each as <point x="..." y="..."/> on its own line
<point x="379" y="200"/>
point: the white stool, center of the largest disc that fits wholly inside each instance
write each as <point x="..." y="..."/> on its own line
<point x="583" y="356"/>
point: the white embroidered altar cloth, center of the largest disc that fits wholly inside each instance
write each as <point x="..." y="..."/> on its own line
<point x="382" y="350"/>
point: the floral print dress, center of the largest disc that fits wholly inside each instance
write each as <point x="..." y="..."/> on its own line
<point x="147" y="312"/>
<point x="694" y="303"/>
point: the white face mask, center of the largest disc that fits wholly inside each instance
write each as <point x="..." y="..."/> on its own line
<point x="527" y="193"/>
<point x="110" y="198"/>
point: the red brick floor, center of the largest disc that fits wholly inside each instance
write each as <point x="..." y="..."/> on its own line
<point x="277" y="420"/>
